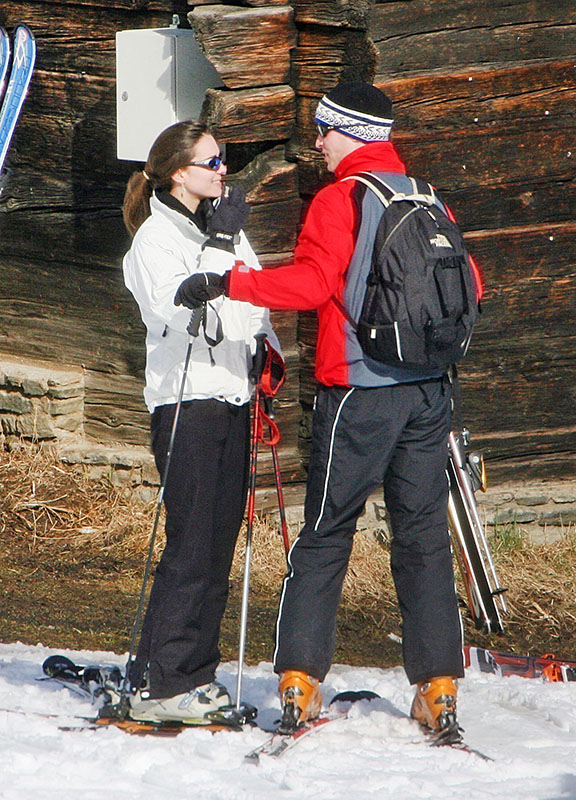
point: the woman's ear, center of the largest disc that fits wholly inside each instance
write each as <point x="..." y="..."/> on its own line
<point x="177" y="177"/>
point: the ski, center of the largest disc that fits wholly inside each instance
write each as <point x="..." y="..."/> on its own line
<point x="462" y="746"/>
<point x="546" y="667"/>
<point x="104" y="682"/>
<point x="143" y="728"/>
<point x="91" y="681"/>
<point x="280" y="742"/>
<point x="168" y="728"/>
<point x="4" y="57"/>
<point x="484" y="593"/>
<point x="451" y="737"/>
<point x="23" y="59"/>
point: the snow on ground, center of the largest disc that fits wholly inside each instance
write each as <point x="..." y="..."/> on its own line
<point x="527" y="727"/>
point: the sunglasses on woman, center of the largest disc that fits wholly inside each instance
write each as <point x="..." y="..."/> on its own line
<point x="208" y="163"/>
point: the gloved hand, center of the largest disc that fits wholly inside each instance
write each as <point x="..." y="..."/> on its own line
<point x="228" y="219"/>
<point x="199" y="288"/>
<point x="268" y="367"/>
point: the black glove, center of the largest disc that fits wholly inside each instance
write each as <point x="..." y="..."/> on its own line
<point x="228" y="219"/>
<point x="199" y="288"/>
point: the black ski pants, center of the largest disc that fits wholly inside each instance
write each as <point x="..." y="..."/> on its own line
<point x="393" y="436"/>
<point x="204" y="498"/>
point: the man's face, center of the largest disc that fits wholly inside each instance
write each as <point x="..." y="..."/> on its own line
<point x="334" y="146"/>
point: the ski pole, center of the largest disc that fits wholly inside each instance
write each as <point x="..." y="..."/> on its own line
<point x="193" y="330"/>
<point x="256" y="431"/>
<point x="279" y="491"/>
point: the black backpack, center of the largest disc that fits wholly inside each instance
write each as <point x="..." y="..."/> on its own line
<point x="420" y="304"/>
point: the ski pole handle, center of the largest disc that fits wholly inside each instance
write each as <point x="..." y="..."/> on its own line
<point x="259" y="358"/>
<point x="196" y="318"/>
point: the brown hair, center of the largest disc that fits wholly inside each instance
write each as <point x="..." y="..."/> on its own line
<point x="172" y="149"/>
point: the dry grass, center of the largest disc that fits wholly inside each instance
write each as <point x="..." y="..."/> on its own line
<point x="73" y="551"/>
<point x="541" y="597"/>
<point x="56" y="510"/>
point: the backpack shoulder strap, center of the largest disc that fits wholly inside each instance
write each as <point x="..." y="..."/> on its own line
<point x="340" y="305"/>
<point x="382" y="191"/>
<point x="422" y="192"/>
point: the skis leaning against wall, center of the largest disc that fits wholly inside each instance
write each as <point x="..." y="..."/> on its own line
<point x="21" y="68"/>
<point x="4" y="58"/>
<point x="484" y="593"/>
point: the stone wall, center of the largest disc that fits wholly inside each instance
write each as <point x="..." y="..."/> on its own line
<point x="45" y="405"/>
<point x="39" y="403"/>
<point x="543" y="510"/>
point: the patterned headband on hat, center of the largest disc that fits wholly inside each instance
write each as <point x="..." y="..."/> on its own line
<point x="337" y="110"/>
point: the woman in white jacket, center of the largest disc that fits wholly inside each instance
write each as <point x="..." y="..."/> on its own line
<point x="185" y="223"/>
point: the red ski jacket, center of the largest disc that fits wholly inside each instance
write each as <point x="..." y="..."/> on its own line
<point x="318" y="272"/>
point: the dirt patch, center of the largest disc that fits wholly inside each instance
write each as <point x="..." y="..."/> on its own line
<point x="73" y="554"/>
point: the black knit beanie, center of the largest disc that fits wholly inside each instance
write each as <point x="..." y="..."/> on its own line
<point x="359" y="110"/>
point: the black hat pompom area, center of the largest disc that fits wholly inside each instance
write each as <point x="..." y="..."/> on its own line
<point x="359" y="110"/>
<point x="362" y="97"/>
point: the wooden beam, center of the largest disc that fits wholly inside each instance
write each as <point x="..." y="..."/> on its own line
<point x="167" y="7"/>
<point x="325" y="57"/>
<point x="333" y="13"/>
<point x="518" y="94"/>
<point x="248" y="47"/>
<point x="422" y="37"/>
<point x="271" y="184"/>
<point x="78" y="43"/>
<point x="250" y="115"/>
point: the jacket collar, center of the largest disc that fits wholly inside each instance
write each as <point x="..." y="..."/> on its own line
<point x="373" y="157"/>
<point x="165" y="203"/>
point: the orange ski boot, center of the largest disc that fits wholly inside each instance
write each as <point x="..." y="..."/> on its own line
<point x="301" y="698"/>
<point x="434" y="707"/>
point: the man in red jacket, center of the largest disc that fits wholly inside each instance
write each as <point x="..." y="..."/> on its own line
<point x="373" y="425"/>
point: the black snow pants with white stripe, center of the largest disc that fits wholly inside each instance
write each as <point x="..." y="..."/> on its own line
<point x="395" y="437"/>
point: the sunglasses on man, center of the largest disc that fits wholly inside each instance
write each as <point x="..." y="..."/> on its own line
<point x="324" y="130"/>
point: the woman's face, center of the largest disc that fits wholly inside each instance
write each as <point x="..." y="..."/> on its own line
<point x="194" y="182"/>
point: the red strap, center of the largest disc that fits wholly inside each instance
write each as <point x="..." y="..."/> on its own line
<point x="274" y="432"/>
<point x="273" y="371"/>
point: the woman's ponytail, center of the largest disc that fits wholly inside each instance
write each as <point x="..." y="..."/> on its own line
<point x="136" y="205"/>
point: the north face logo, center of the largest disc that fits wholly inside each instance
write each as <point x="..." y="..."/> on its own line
<point x="441" y="241"/>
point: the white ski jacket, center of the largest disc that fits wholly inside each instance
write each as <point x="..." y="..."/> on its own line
<point x="166" y="249"/>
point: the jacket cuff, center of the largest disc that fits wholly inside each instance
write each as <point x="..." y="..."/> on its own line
<point x="222" y="241"/>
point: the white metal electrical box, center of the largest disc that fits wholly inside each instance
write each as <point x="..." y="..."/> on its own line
<point x="161" y="78"/>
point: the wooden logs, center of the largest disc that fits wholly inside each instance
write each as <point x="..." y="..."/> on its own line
<point x="248" y="47"/>
<point x="333" y="13"/>
<point x="325" y="57"/>
<point x="444" y="36"/>
<point x="265" y="113"/>
<point x="496" y="142"/>
<point x="271" y="185"/>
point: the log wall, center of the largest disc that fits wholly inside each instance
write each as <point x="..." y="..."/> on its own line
<point x="61" y="233"/>
<point x="491" y="124"/>
<point x="484" y="97"/>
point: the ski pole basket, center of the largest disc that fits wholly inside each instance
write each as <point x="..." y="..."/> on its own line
<point x="484" y="593"/>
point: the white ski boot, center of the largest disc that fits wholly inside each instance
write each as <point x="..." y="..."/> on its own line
<point x="189" y="707"/>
